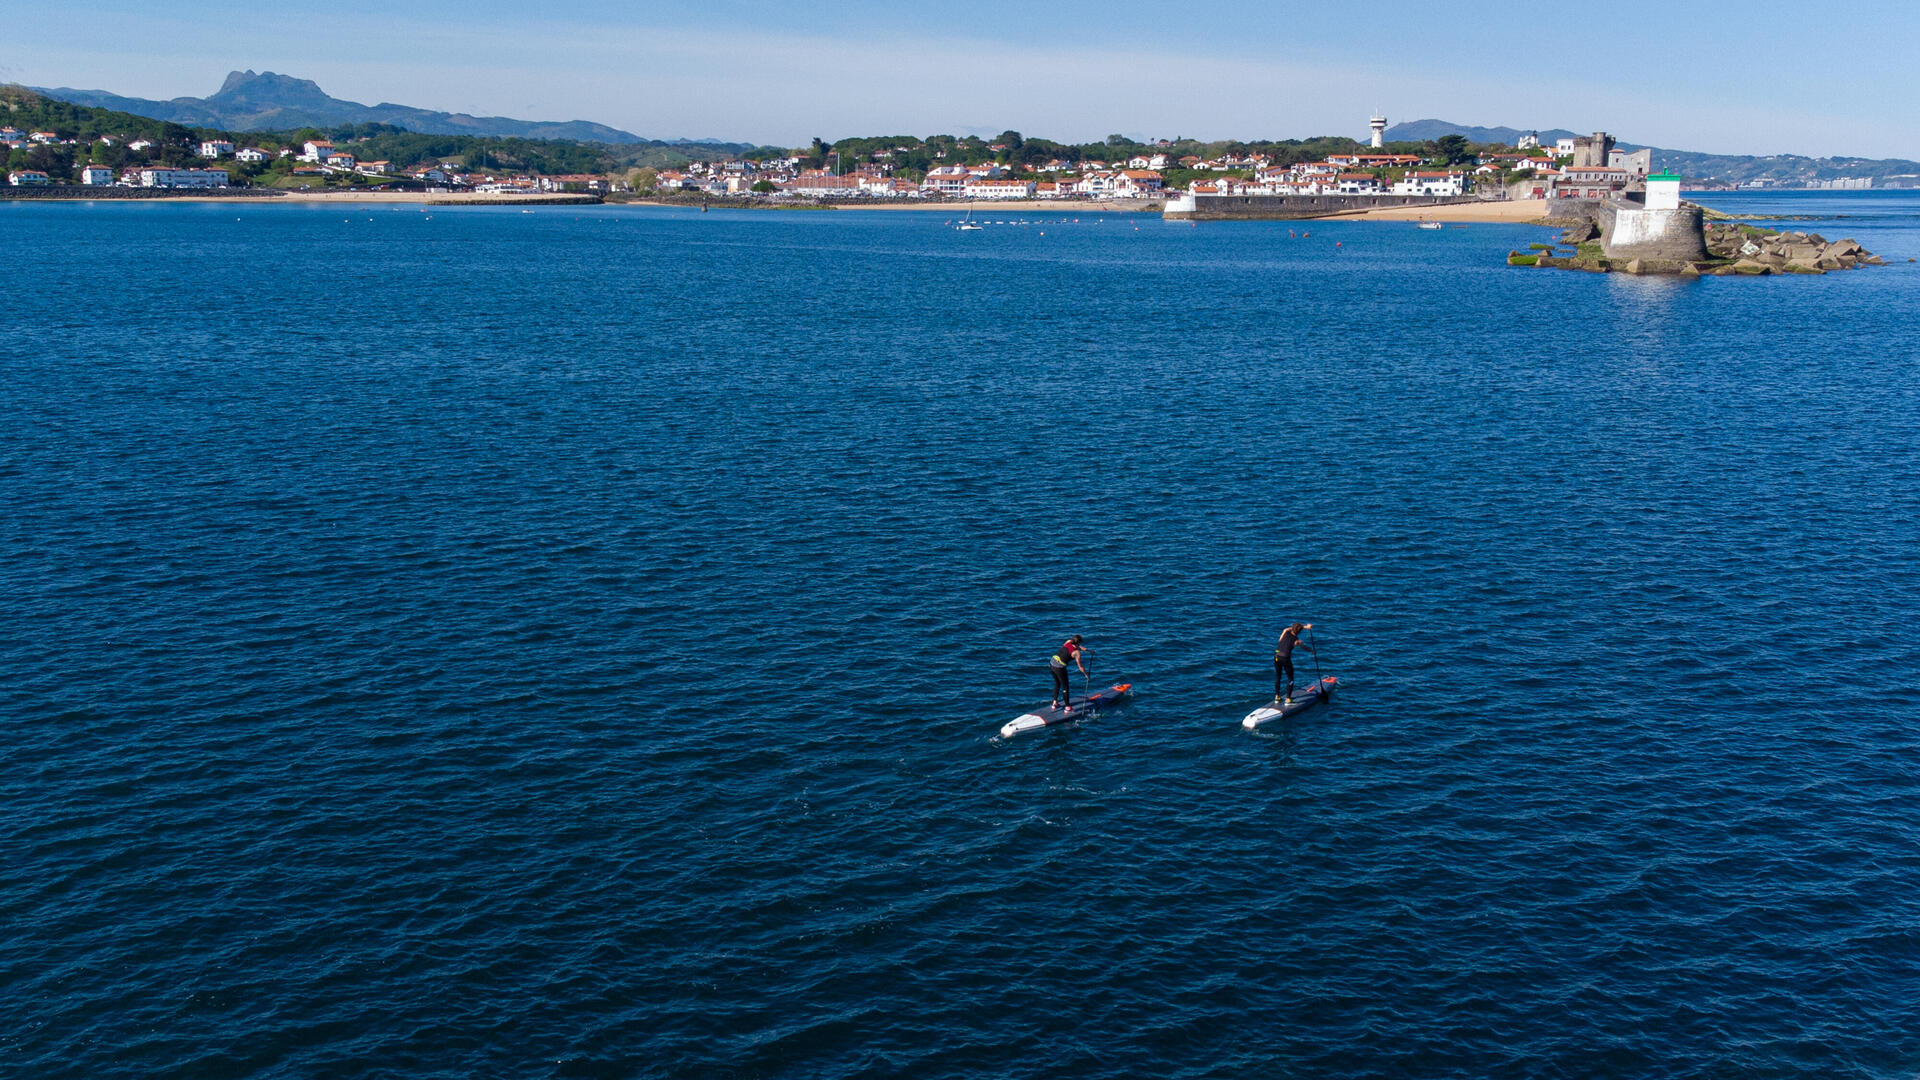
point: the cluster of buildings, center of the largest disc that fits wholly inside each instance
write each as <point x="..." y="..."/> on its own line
<point x="145" y="176"/>
<point x="1584" y="167"/>
<point x="15" y="139"/>
<point x="323" y="157"/>
<point x="876" y="180"/>
<point x="327" y="159"/>
<point x="1594" y="169"/>
<point x="1337" y="174"/>
<point x="100" y="175"/>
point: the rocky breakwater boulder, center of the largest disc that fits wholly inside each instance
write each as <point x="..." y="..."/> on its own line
<point x="1730" y="251"/>
<point x="1747" y="249"/>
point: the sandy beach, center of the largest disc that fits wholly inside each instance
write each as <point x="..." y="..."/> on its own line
<point x="997" y="206"/>
<point x="439" y="198"/>
<point x="1515" y="212"/>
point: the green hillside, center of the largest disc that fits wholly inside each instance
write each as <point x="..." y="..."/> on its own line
<point x="178" y="145"/>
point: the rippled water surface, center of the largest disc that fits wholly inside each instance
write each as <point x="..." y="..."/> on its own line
<point x="572" y="644"/>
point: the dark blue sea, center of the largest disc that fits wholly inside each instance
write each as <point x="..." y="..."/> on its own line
<point x="572" y="644"/>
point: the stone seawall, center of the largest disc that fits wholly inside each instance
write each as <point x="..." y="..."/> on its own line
<point x="1270" y="207"/>
<point x="1674" y="236"/>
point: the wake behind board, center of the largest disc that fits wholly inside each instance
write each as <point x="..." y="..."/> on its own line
<point x="1314" y="694"/>
<point x="1055" y="715"/>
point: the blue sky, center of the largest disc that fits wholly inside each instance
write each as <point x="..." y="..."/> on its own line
<point x="1755" y="77"/>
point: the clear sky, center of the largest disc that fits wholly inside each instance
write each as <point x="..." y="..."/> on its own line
<point x="1754" y="77"/>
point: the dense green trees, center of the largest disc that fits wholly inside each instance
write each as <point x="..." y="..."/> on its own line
<point x="1454" y="148"/>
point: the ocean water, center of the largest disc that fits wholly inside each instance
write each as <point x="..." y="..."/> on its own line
<point x="572" y="644"/>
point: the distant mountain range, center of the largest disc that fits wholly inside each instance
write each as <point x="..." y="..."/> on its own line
<point x="1422" y="130"/>
<point x="264" y="101"/>
<point x="1785" y="170"/>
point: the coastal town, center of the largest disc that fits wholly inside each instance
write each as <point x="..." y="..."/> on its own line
<point x="1584" y="168"/>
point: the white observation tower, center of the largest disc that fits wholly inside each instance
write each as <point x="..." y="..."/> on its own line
<point x="1379" y="125"/>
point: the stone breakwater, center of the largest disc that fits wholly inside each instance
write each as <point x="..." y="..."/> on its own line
<point x="1731" y="251"/>
<point x="1754" y="250"/>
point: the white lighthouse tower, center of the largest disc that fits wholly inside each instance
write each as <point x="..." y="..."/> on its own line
<point x="1379" y="125"/>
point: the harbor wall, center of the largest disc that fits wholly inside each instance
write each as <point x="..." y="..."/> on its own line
<point x="1257" y="207"/>
<point x="1677" y="235"/>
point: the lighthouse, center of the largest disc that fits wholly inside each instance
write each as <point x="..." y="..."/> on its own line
<point x="1379" y="125"/>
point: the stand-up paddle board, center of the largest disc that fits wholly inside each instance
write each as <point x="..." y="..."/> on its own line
<point x="1055" y="715"/>
<point x="1314" y="694"/>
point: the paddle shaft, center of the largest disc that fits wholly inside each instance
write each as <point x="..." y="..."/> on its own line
<point x="1316" y="656"/>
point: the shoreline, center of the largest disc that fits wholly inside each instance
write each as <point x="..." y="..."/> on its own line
<point x="1503" y="212"/>
<point x="1514" y="212"/>
<point x="1062" y="206"/>
<point x="257" y="196"/>
<point x="1057" y="206"/>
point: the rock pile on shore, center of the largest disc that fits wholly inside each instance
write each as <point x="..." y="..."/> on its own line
<point x="1753" y="250"/>
<point x="1737" y="250"/>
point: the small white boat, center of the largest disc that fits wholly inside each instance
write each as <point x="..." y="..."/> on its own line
<point x="1424" y="224"/>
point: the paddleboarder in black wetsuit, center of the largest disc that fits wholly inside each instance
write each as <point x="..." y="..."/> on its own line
<point x="1071" y="652"/>
<point x="1283" y="660"/>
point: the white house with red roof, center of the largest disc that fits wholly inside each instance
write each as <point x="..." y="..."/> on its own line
<point x="999" y="189"/>
<point x="948" y="180"/>
<point x="1436" y="184"/>
<point x="1095" y="184"/>
<point x="821" y="184"/>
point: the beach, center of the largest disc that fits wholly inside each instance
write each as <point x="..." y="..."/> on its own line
<point x="430" y="198"/>
<point x="1515" y="212"/>
<point x="1062" y="206"/>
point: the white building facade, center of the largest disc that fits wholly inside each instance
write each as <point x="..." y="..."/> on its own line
<point x="1435" y="184"/>
<point x="999" y="189"/>
<point x="183" y="178"/>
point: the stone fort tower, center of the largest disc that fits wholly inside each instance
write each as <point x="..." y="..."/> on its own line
<point x="1590" y="151"/>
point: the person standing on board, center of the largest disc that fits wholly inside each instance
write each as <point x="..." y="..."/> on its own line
<point x="1283" y="660"/>
<point x="1071" y="652"/>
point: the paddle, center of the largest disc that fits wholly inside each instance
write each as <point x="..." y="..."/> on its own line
<point x="1318" y="685"/>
